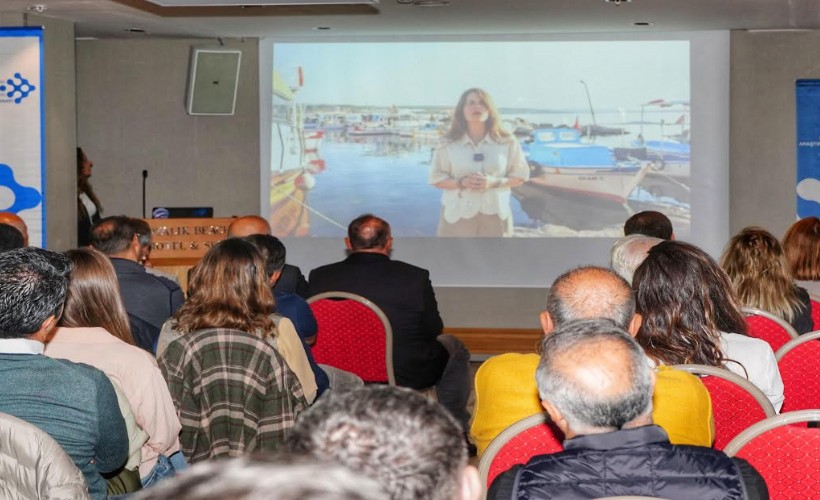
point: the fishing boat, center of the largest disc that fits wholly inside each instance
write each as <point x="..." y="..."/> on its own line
<point x="295" y="160"/>
<point x="559" y="160"/>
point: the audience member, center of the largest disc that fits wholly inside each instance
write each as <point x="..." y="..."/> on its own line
<point x="760" y="275"/>
<point x="233" y="391"/>
<point x="422" y="355"/>
<point x="505" y="385"/>
<point x="650" y="223"/>
<point x="89" y="208"/>
<point x="628" y="253"/>
<point x="147" y="298"/>
<point x="33" y="465"/>
<point x="802" y="246"/>
<point x="691" y="316"/>
<point x="17" y="223"/>
<point x="10" y="238"/>
<point x="283" y="338"/>
<point x="74" y="403"/>
<point x="267" y="478"/>
<point x="296" y="310"/>
<point x="145" y="237"/>
<point x="291" y="280"/>
<point x="406" y="442"/>
<point x="595" y="384"/>
<point x="94" y="330"/>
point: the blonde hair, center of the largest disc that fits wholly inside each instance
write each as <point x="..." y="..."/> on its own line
<point x="756" y="264"/>
<point x="802" y="246"/>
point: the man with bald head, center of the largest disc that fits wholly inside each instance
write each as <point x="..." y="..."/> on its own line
<point x="595" y="384"/>
<point x="291" y="280"/>
<point x="17" y="223"/>
<point x="505" y="384"/>
<point x="422" y="356"/>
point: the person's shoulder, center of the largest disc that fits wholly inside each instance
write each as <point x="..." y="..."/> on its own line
<point x="745" y="341"/>
<point x="78" y="373"/>
<point x="318" y="271"/>
<point x="407" y="267"/>
<point x="510" y="362"/>
<point x="679" y="383"/>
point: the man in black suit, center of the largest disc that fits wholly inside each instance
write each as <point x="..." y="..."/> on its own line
<point x="291" y="280"/>
<point x="422" y="356"/>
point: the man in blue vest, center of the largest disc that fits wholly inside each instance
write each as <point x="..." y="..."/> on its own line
<point x="595" y="383"/>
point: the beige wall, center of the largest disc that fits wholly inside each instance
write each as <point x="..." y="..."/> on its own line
<point x="131" y="117"/>
<point x="61" y="131"/>
<point x="762" y="170"/>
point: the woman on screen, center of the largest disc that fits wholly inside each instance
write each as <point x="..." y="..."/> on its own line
<point x="475" y="167"/>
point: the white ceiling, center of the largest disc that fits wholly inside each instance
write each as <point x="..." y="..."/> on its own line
<point x="106" y="18"/>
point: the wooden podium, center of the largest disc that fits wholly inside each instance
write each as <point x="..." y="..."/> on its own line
<point x="178" y="244"/>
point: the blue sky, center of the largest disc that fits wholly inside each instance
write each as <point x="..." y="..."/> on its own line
<point x="536" y="74"/>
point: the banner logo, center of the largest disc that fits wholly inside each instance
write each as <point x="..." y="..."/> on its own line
<point x="17" y="88"/>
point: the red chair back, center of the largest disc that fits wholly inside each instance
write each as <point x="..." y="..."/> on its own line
<point x="736" y="402"/>
<point x="354" y="335"/>
<point x="518" y="443"/>
<point x="815" y="314"/>
<point x="786" y="455"/>
<point x="766" y="326"/>
<point x="797" y="361"/>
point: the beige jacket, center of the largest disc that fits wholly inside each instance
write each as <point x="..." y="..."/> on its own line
<point x="32" y="465"/>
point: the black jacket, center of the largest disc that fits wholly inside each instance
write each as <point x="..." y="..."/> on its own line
<point x="639" y="461"/>
<point x="406" y="296"/>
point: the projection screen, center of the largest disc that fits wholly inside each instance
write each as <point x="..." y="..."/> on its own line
<point x="605" y="126"/>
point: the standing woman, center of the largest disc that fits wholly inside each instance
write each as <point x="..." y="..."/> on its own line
<point x="802" y="246"/>
<point x="475" y="168"/>
<point x="88" y="206"/>
<point x="756" y="264"/>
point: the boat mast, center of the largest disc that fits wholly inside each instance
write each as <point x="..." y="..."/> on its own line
<point x="589" y="100"/>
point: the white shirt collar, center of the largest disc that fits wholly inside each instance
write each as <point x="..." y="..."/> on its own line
<point x="21" y="346"/>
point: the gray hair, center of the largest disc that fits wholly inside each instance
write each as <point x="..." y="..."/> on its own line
<point x="406" y="442"/>
<point x="629" y="252"/>
<point x="588" y="292"/>
<point x="601" y="346"/>
<point x="265" y="478"/>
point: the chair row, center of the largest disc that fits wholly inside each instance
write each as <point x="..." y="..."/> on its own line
<point x="785" y="453"/>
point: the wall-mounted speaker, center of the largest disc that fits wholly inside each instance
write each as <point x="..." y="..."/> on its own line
<point x="212" y="81"/>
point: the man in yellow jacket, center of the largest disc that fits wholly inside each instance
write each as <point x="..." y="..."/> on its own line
<point x="505" y="385"/>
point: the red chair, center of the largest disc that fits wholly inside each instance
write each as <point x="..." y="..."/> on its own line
<point x="815" y="314"/>
<point x="354" y="335"/>
<point x="786" y="455"/>
<point x="531" y="436"/>
<point x="736" y="402"/>
<point x="797" y="361"/>
<point x="766" y="326"/>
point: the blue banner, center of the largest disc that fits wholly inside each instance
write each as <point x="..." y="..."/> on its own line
<point x="22" y="136"/>
<point x="808" y="148"/>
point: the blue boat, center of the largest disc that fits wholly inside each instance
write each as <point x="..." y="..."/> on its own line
<point x="559" y="160"/>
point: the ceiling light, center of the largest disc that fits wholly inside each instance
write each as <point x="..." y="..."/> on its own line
<point x="641" y="23"/>
<point x="38" y="8"/>
<point x="431" y="3"/>
<point x="618" y="2"/>
<point x="323" y="28"/>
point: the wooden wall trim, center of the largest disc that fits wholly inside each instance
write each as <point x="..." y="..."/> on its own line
<point x="498" y="340"/>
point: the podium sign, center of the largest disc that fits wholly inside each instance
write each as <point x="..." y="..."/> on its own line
<point x="185" y="241"/>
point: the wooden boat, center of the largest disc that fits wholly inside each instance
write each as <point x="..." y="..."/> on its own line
<point x="559" y="160"/>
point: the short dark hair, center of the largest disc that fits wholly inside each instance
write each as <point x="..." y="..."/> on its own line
<point x="368" y="231"/>
<point x="10" y="238"/>
<point x="649" y="223"/>
<point x="272" y="250"/>
<point x="113" y="234"/>
<point x="142" y="230"/>
<point x="33" y="284"/>
<point x="587" y="408"/>
<point x="590" y="292"/>
<point x="411" y="445"/>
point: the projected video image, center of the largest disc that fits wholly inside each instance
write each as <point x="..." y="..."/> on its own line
<point x="480" y="139"/>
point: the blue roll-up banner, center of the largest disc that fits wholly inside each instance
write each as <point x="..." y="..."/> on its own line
<point x="808" y="148"/>
<point x="22" y="129"/>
